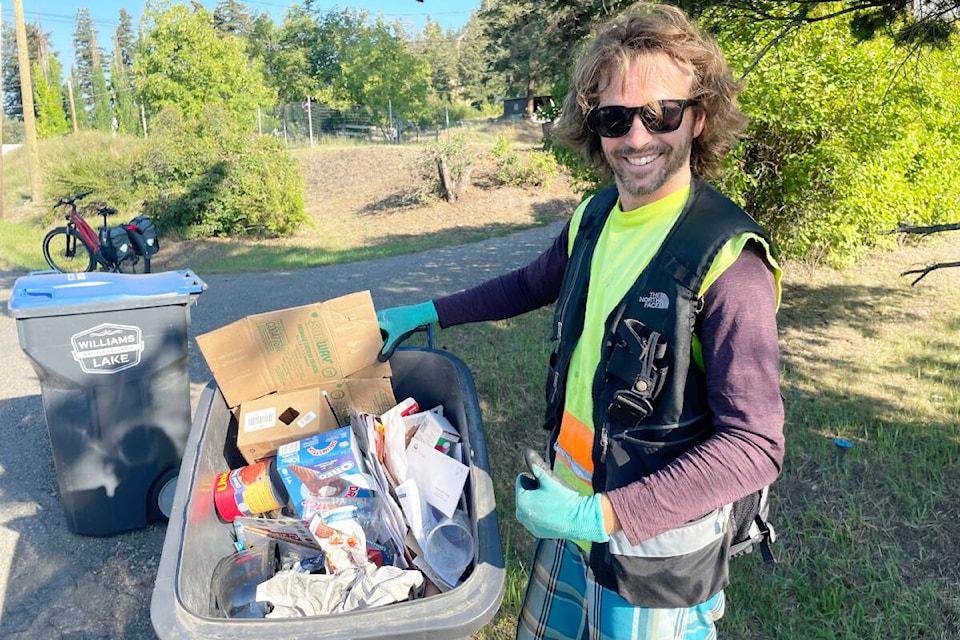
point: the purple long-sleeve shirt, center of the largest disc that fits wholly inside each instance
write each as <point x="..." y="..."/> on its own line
<point x="738" y="333"/>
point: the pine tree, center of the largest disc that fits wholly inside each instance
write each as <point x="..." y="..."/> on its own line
<point x="440" y="50"/>
<point x="234" y="18"/>
<point x="12" y="104"/>
<point x="124" y="40"/>
<point x="101" y="116"/>
<point x="90" y="76"/>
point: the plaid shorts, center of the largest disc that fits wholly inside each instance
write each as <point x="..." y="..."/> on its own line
<point x="563" y="601"/>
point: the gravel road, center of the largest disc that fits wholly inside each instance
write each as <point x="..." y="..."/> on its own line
<point x="60" y="585"/>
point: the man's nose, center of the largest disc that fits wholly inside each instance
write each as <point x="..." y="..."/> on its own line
<point x="637" y="133"/>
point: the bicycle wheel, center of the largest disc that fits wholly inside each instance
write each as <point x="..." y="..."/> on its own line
<point x="137" y="261"/>
<point x="134" y="263"/>
<point x="65" y="251"/>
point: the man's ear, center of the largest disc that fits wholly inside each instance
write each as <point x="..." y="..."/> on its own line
<point x="700" y="123"/>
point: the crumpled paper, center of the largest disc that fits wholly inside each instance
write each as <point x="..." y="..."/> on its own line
<point x="296" y="595"/>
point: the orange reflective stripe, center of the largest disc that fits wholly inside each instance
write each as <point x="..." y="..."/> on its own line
<point x="576" y="439"/>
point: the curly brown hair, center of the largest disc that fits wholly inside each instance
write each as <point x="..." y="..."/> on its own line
<point x="655" y="28"/>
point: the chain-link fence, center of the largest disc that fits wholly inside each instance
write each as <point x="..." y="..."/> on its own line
<point x="309" y="123"/>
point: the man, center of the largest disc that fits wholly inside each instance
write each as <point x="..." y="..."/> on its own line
<point x="663" y="399"/>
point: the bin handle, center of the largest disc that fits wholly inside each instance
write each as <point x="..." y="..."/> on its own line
<point x="46" y="292"/>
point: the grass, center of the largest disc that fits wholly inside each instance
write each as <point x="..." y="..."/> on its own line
<point x="869" y="545"/>
<point x="869" y="542"/>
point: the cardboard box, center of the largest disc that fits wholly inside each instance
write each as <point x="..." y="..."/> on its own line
<point x="266" y="423"/>
<point x="295" y="348"/>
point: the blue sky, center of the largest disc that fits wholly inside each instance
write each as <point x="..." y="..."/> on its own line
<point x="58" y="17"/>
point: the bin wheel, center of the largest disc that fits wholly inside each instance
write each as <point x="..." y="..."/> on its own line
<point x="160" y="501"/>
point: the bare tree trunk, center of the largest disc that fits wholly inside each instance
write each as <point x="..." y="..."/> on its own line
<point x="451" y="188"/>
<point x="464" y="181"/>
<point x="447" y="186"/>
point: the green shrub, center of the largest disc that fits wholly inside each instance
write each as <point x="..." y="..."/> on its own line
<point x="206" y="177"/>
<point x="532" y="169"/>
<point x="13" y="130"/>
<point x="846" y="140"/>
<point x="91" y="161"/>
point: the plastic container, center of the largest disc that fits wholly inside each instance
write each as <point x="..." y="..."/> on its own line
<point x="110" y="352"/>
<point x="197" y="539"/>
<point x="449" y="545"/>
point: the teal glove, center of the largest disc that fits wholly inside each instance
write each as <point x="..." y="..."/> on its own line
<point x="554" y="511"/>
<point x="399" y="323"/>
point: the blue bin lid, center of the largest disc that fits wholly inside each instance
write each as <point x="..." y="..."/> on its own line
<point x="49" y="293"/>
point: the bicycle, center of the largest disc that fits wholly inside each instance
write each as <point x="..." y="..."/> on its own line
<point x="76" y="247"/>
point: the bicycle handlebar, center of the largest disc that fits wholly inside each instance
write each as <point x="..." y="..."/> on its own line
<point x="73" y="200"/>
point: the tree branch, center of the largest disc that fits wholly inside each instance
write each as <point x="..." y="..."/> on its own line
<point x="909" y="228"/>
<point x="933" y="267"/>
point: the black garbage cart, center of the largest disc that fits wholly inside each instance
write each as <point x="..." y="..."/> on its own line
<point x="197" y="538"/>
<point x="110" y="352"/>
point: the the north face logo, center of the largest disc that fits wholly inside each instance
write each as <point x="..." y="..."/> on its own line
<point x="655" y="300"/>
<point x="107" y="348"/>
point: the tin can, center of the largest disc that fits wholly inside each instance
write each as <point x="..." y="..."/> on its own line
<point x="249" y="490"/>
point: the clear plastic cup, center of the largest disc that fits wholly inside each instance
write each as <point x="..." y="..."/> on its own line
<point x="449" y="546"/>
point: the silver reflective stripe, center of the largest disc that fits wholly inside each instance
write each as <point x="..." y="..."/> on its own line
<point x="683" y="540"/>
<point x="754" y="532"/>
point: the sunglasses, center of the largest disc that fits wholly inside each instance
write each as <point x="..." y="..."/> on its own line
<point x="662" y="116"/>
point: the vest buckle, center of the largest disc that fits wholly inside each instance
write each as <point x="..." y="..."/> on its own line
<point x="629" y="407"/>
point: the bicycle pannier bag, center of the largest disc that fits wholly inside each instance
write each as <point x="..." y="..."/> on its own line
<point x="148" y="231"/>
<point x="114" y="243"/>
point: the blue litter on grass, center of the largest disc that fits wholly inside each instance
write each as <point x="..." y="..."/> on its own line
<point x="840" y="442"/>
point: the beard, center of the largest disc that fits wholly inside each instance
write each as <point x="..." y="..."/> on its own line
<point x="673" y="159"/>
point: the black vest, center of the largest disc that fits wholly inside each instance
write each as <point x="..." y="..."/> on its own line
<point x="650" y="404"/>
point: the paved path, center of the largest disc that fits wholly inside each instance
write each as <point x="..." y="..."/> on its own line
<point x="56" y="584"/>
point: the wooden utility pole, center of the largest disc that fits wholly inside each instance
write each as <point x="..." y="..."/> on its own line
<point x="1" y="134"/>
<point x="26" y="99"/>
<point x="73" y="106"/>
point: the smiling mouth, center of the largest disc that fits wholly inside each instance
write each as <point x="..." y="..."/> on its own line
<point x="641" y="161"/>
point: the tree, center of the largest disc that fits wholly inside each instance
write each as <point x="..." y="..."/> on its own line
<point x="36" y="41"/>
<point x="439" y="49"/>
<point x="93" y="96"/>
<point x="907" y="22"/>
<point x="182" y="61"/>
<point x="121" y="88"/>
<point x="298" y="57"/>
<point x="47" y="97"/>
<point x="821" y="167"/>
<point x="477" y="81"/>
<point x="233" y="18"/>
<point x="124" y="40"/>
<point x="517" y="48"/>
<point x="380" y="71"/>
<point x="341" y="59"/>
<point x="101" y="115"/>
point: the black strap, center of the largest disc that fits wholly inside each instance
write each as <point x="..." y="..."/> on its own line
<point x="637" y="359"/>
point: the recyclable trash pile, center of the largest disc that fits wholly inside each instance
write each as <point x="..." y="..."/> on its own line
<point x="363" y="515"/>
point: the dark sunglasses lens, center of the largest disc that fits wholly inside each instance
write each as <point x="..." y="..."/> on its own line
<point x="612" y="122"/>
<point x="615" y="121"/>
<point x="669" y="118"/>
